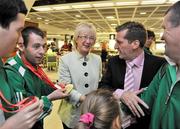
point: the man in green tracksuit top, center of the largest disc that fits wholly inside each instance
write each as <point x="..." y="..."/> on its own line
<point x="25" y="75"/>
<point x="12" y="16"/>
<point x="162" y="96"/>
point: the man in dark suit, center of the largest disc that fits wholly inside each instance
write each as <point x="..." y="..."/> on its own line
<point x="130" y="40"/>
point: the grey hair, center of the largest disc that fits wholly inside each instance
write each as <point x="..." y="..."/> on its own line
<point x="83" y="26"/>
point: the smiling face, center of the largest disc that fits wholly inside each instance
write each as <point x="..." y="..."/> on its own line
<point x="35" y="50"/>
<point x="9" y="36"/>
<point x="172" y="38"/>
<point x="85" y="40"/>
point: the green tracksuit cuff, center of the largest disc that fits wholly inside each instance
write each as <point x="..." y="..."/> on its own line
<point x="47" y="108"/>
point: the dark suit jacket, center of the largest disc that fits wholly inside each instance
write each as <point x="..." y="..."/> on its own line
<point x="115" y="75"/>
<point x="116" y="69"/>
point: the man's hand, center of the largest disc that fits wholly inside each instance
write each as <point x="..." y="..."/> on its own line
<point x="25" y="118"/>
<point x="132" y="101"/>
<point x="57" y="94"/>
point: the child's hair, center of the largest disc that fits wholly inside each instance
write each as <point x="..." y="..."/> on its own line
<point x="99" y="110"/>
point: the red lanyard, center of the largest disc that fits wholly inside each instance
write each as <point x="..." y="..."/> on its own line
<point x="20" y="105"/>
<point x="38" y="72"/>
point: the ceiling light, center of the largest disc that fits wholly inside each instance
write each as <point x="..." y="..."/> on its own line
<point x="53" y="35"/>
<point x="103" y="4"/>
<point x="142" y="13"/>
<point x="82" y="6"/>
<point x="39" y="18"/>
<point x="27" y="18"/>
<point x="77" y="15"/>
<point x="42" y="8"/>
<point x="110" y="17"/>
<point x="46" y="20"/>
<point x="46" y="23"/>
<point x="113" y="24"/>
<point x="127" y="3"/>
<point x="153" y="2"/>
<point x="61" y="7"/>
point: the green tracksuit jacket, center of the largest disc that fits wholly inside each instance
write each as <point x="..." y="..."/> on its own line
<point x="5" y="89"/>
<point x="25" y="83"/>
<point x="163" y="98"/>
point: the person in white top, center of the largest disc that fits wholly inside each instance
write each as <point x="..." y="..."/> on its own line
<point x="80" y="68"/>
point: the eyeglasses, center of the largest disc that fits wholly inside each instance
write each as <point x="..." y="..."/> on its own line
<point x="92" y="39"/>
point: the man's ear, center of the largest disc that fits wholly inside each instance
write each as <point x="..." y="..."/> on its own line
<point x="136" y="44"/>
<point x="21" y="47"/>
<point x="116" y="123"/>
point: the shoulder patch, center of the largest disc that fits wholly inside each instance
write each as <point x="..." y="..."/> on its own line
<point x="21" y="70"/>
<point x="12" y="62"/>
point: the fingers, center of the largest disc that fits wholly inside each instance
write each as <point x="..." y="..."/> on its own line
<point x="116" y="96"/>
<point x="139" y="110"/>
<point x="62" y="85"/>
<point x="63" y="90"/>
<point x="130" y="106"/>
<point x="135" y="108"/>
<point x="64" y="95"/>
<point x="41" y="105"/>
<point x="33" y="106"/>
<point x="139" y="91"/>
<point x="139" y="105"/>
<point x="142" y="103"/>
<point x="132" y="101"/>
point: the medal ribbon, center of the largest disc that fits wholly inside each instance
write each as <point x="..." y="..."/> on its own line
<point x="13" y="108"/>
<point x="40" y="73"/>
<point x="20" y="105"/>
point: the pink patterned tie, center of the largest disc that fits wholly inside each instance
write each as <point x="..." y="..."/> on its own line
<point x="129" y="77"/>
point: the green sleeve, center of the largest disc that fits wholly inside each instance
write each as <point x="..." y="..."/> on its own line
<point x="46" y="89"/>
<point x="17" y="83"/>
<point x="47" y="107"/>
<point x="150" y="94"/>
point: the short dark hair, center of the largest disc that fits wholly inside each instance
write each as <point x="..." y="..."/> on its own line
<point x="22" y="7"/>
<point x="9" y="10"/>
<point x="175" y="14"/>
<point x="28" y="30"/>
<point x="150" y="34"/>
<point x="135" y="31"/>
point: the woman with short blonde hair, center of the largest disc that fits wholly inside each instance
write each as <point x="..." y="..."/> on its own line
<point x="82" y="69"/>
